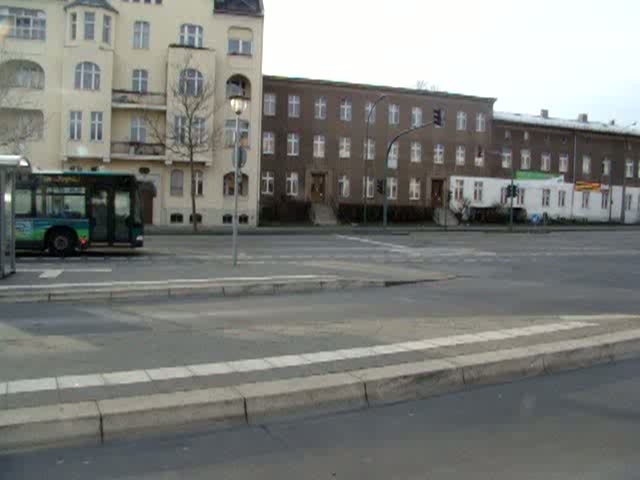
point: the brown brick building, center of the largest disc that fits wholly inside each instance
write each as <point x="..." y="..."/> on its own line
<point x="313" y="152"/>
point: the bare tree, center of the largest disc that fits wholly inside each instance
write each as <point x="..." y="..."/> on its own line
<point x="424" y="85"/>
<point x="21" y="118"/>
<point x="191" y="133"/>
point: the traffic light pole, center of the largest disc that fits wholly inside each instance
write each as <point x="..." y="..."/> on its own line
<point x="366" y="155"/>
<point x="512" y="194"/>
<point x="385" y="209"/>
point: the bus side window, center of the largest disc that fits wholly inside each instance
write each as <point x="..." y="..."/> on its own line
<point x="23" y="203"/>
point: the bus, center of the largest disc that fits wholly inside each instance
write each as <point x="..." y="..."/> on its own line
<point x="66" y="212"/>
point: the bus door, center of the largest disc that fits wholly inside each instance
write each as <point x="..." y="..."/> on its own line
<point x="110" y="214"/>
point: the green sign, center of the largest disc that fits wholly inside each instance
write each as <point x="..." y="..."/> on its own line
<point x="520" y="175"/>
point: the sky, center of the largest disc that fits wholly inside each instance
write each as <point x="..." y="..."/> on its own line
<point x="567" y="56"/>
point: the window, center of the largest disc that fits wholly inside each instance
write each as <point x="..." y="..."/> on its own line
<point x="191" y="83"/>
<point x="545" y="162"/>
<point x="604" y="200"/>
<point x="191" y="35"/>
<point x="394" y="114"/>
<point x="443" y="114"/>
<point x="227" y="219"/>
<point x="606" y="166"/>
<point x="29" y="75"/>
<point x="503" y="195"/>
<point x="481" y="123"/>
<point x="416" y="117"/>
<point x="477" y="191"/>
<point x="479" y="160"/>
<point x="525" y="136"/>
<point x="461" y="155"/>
<point x="416" y="152"/>
<point x="291" y="186"/>
<point x="394" y="153"/>
<point x="546" y="197"/>
<point x="89" y="25"/>
<point x="562" y="198"/>
<point x="563" y="167"/>
<point x="240" y="47"/>
<point x="507" y="134"/>
<point x="459" y="191"/>
<point x="461" y="121"/>
<point x="24" y="23"/>
<point x="139" y="130"/>
<point x="638" y="168"/>
<point x="392" y="188"/>
<point x="62" y="202"/>
<point x="230" y="133"/>
<point x="438" y="154"/>
<point x="268" y="143"/>
<point x="270" y="104"/>
<point x="370" y="113"/>
<point x="140" y="81"/>
<point x="586" y="165"/>
<point x="141" y="33"/>
<point x="238" y="85"/>
<point x="267" y="183"/>
<point x="370" y="149"/>
<point x="318" y="146"/>
<point x="525" y="159"/>
<point x="106" y="29"/>
<point x="23" y="203"/>
<point x="345" y="147"/>
<point x="177" y="183"/>
<point x="628" y="168"/>
<point x="87" y="76"/>
<point x="628" y="201"/>
<point x="506" y="158"/>
<point x="585" y="199"/>
<point x="345" y="110"/>
<point x="229" y="185"/>
<point x="74" y="26"/>
<point x="414" y="189"/>
<point x="198" y="218"/>
<point x="199" y="182"/>
<point x="96" y="126"/>
<point x="343" y="187"/>
<point x="75" y="126"/>
<point x="368" y="186"/>
<point x="293" y="145"/>
<point x="177" y="218"/>
<point x="294" y="106"/>
<point x="320" y="108"/>
<point x="520" y="197"/>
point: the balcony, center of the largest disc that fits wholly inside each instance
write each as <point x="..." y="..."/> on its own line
<point x="137" y="151"/>
<point x="127" y="100"/>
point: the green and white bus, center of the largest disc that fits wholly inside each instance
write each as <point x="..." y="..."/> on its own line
<point x="69" y="211"/>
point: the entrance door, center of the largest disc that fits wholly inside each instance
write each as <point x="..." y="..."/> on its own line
<point x="317" y="187"/>
<point x="100" y="214"/>
<point x="437" y="186"/>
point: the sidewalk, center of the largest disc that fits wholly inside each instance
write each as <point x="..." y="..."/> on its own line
<point x="151" y="230"/>
<point x="102" y="406"/>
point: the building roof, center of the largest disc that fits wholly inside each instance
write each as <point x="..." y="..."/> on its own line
<point x="239" y="7"/>
<point x="92" y="3"/>
<point x="379" y="88"/>
<point x="539" y="121"/>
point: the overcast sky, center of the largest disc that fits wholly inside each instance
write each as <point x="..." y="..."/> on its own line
<point x="570" y="56"/>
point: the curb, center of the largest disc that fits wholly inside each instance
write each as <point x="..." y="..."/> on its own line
<point x="104" y="420"/>
<point x="212" y="289"/>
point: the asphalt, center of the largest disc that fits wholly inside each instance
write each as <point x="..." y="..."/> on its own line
<point x="581" y="425"/>
<point x="501" y="281"/>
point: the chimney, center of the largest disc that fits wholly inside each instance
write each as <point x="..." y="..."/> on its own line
<point x="583" y="117"/>
<point x="544" y="113"/>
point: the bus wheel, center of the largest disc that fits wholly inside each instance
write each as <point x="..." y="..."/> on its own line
<point x="62" y="243"/>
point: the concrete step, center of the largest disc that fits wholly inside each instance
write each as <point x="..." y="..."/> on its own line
<point x="323" y="215"/>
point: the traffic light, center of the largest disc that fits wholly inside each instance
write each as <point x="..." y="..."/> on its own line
<point x="380" y="186"/>
<point x="437" y="117"/>
<point x="512" y="191"/>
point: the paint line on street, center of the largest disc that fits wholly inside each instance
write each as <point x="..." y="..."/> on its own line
<point x="271" y="363"/>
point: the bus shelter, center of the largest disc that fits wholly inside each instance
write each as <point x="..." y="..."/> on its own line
<point x="9" y="165"/>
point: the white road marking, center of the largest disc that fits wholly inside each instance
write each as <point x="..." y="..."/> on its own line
<point x="51" y="273"/>
<point x="269" y="363"/>
<point x="392" y="246"/>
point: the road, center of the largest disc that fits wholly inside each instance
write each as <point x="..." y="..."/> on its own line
<point x="500" y="276"/>
<point x="579" y="425"/>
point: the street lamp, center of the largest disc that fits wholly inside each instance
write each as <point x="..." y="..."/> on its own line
<point x="239" y="104"/>
<point x="366" y="152"/>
